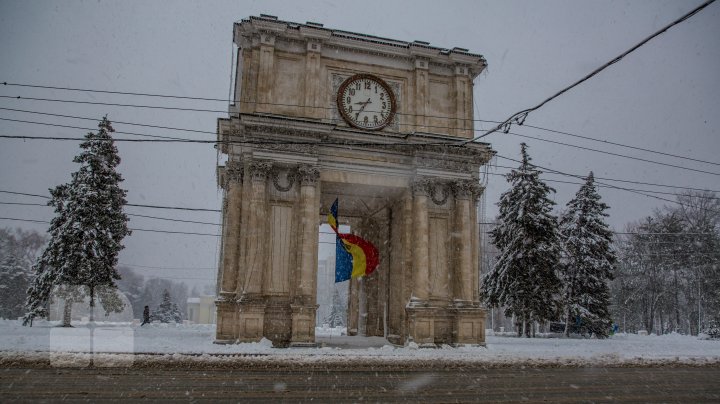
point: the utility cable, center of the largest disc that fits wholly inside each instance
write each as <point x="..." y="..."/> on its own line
<point x="607" y="185"/>
<point x="519" y="117"/>
<point x="612" y="154"/>
<point x="133" y="229"/>
<point x="436" y="127"/>
<point x="127" y="204"/>
<point x="631" y="182"/>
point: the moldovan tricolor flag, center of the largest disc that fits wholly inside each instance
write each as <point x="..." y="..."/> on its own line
<point x="354" y="256"/>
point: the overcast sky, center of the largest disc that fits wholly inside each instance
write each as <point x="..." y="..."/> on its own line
<point x="664" y="97"/>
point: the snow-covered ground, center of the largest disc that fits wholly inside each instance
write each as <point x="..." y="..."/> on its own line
<point x="194" y="343"/>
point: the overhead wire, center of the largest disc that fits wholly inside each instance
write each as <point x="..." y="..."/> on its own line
<point x="606" y="184"/>
<point x="612" y="154"/>
<point x="133" y="229"/>
<point x="329" y="108"/>
<point x="344" y="143"/>
<point x="519" y="117"/>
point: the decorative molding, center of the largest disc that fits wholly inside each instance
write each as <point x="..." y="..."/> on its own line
<point x="259" y="170"/>
<point x="445" y="164"/>
<point x="234" y="171"/>
<point x="466" y="188"/>
<point x="419" y="186"/>
<point x="309" y="175"/>
<point x="432" y="187"/>
<point x="290" y="177"/>
<point x="308" y="149"/>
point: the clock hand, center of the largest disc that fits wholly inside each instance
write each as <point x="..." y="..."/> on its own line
<point x="364" y="104"/>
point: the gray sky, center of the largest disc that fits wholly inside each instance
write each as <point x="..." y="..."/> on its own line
<point x="665" y="96"/>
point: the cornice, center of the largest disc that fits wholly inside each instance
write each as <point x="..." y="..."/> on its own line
<point x="253" y="26"/>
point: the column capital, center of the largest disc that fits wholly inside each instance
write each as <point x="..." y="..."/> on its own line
<point x="466" y="189"/>
<point x="233" y="173"/>
<point x="419" y="186"/>
<point x="259" y="170"/>
<point x="308" y="175"/>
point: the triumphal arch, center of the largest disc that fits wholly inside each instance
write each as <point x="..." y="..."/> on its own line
<point x="320" y="114"/>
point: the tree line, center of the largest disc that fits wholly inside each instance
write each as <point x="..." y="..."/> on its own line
<point x="661" y="275"/>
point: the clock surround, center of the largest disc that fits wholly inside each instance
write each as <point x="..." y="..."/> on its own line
<point x="357" y="111"/>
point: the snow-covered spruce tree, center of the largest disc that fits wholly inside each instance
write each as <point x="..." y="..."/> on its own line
<point x="87" y="231"/>
<point x="588" y="261"/>
<point x="168" y="311"/>
<point x="14" y="279"/>
<point x="338" y="312"/>
<point x="524" y="278"/>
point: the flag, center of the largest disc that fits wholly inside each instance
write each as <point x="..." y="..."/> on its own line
<point x="354" y="256"/>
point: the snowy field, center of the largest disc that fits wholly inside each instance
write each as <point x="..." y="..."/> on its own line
<point x="194" y="344"/>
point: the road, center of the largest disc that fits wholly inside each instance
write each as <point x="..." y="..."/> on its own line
<point x="341" y="384"/>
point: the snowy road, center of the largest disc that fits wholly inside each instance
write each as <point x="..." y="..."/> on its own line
<point x="340" y="384"/>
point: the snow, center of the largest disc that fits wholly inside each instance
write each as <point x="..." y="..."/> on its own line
<point x="122" y="344"/>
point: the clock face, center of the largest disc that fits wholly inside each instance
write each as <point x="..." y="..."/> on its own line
<point x="366" y="102"/>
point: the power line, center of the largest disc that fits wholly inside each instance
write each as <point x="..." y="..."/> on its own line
<point x="173" y="207"/>
<point x="633" y="182"/>
<point x="620" y="145"/>
<point x="612" y="154"/>
<point x="298" y="105"/>
<point x="173" y="220"/>
<point x="113" y="92"/>
<point x="607" y="185"/>
<point x="114" y="122"/>
<point x="22" y="203"/>
<point x="316" y="107"/>
<point x="115" y="104"/>
<point x="519" y="117"/>
<point x="153" y="267"/>
<point x="90" y="129"/>
<point x="439" y="127"/>
<point x="624" y="189"/>
<point x="127" y="204"/>
<point x="133" y="229"/>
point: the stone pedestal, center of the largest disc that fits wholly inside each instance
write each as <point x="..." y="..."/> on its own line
<point x="421" y="325"/>
<point x="226" y="332"/>
<point x="251" y="319"/>
<point x="277" y="324"/>
<point x="303" y="324"/>
<point x="469" y="326"/>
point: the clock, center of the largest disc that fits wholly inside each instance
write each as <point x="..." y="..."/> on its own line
<point x="366" y="102"/>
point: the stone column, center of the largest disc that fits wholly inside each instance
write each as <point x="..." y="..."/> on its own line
<point x="304" y="306"/>
<point x="312" y="80"/>
<point x="231" y="230"/>
<point x="309" y="177"/>
<point x="461" y="101"/>
<point x="255" y="242"/>
<point x="265" y="81"/>
<point x="475" y="229"/>
<point x="421" y="93"/>
<point x="420" y="241"/>
<point x="464" y="240"/>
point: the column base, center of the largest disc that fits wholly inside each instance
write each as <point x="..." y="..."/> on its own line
<point x="303" y="324"/>
<point x="420" y="324"/>
<point x="250" y="322"/>
<point x="226" y="322"/>
<point x="469" y="326"/>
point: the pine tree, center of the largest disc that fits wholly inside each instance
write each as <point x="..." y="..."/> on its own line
<point x="14" y="279"/>
<point x="589" y="261"/>
<point x="168" y="311"/>
<point x="87" y="231"/>
<point x="338" y="311"/>
<point x="524" y="279"/>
